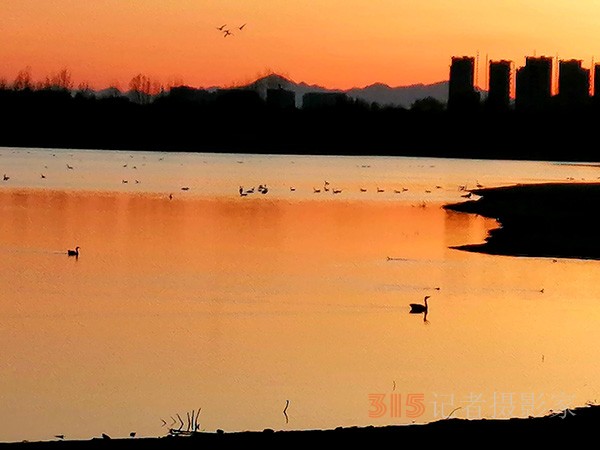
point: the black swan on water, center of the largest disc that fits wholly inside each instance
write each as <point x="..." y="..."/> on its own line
<point x="418" y="307"/>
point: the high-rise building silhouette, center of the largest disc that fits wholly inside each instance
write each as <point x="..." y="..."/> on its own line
<point x="461" y="92"/>
<point x="597" y="82"/>
<point x="573" y="83"/>
<point x="534" y="84"/>
<point x="500" y="80"/>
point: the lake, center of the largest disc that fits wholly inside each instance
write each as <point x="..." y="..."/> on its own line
<point x="188" y="295"/>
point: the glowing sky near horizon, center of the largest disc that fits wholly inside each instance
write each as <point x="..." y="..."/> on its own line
<point x="332" y="43"/>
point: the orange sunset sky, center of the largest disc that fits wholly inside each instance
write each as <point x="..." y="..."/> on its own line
<point x="332" y="43"/>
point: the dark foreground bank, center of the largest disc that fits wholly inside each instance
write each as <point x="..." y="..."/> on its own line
<point x="571" y="425"/>
<point x="555" y="220"/>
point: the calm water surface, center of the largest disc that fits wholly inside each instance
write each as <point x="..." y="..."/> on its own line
<point x="236" y="304"/>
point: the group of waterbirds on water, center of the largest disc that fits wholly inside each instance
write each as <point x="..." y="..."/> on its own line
<point x="327" y="187"/>
<point x="262" y="188"/>
<point x="123" y="180"/>
<point x="316" y="190"/>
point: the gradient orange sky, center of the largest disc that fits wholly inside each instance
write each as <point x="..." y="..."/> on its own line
<point x="332" y="43"/>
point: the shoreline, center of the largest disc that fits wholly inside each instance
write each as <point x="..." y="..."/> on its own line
<point x="581" y="422"/>
<point x="550" y="220"/>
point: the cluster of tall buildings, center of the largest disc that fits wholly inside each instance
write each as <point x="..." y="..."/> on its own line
<point x="533" y="84"/>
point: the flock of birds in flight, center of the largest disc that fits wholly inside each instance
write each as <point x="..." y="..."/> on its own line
<point x="227" y="32"/>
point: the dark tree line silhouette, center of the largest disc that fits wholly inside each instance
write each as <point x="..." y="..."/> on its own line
<point x="149" y="117"/>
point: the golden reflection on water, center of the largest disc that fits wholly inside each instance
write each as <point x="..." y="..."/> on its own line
<point x="236" y="305"/>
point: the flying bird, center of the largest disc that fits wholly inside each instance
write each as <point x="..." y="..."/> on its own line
<point x="241" y="27"/>
<point x="221" y="27"/>
<point x="6" y="177"/>
<point x="416" y="308"/>
<point x="227" y="33"/>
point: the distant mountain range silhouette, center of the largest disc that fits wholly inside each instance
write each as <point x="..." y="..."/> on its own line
<point x="384" y="95"/>
<point x="380" y="93"/>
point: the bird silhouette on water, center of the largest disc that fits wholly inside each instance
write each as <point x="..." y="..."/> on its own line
<point x="417" y="308"/>
<point x="73" y="252"/>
